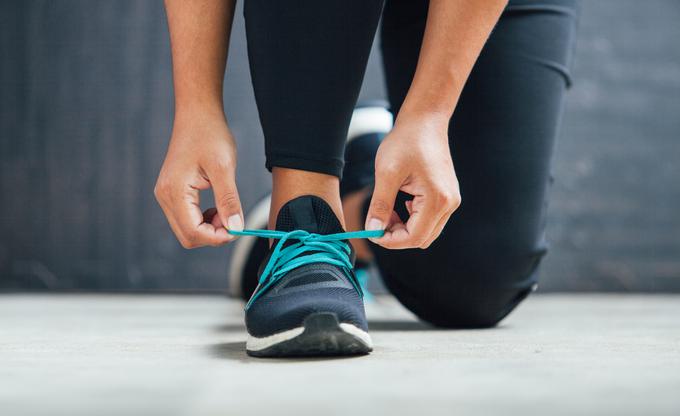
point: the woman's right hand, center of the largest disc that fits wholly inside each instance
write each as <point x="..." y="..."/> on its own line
<point x="201" y="155"/>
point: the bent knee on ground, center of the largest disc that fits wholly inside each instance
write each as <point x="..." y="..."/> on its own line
<point x="479" y="307"/>
<point x="462" y="291"/>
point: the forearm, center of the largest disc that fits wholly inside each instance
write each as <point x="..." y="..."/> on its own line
<point x="199" y="37"/>
<point x="455" y="33"/>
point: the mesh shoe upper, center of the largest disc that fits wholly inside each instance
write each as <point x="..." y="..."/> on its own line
<point x="315" y="287"/>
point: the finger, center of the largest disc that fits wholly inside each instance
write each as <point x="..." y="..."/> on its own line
<point x="192" y="230"/>
<point x="437" y="230"/>
<point x="167" y="204"/>
<point x="393" y="224"/>
<point x="424" y="217"/>
<point x="453" y="206"/>
<point x="227" y="201"/>
<point x="409" y="206"/>
<point x="171" y="221"/>
<point x="394" y="232"/>
<point x="387" y="184"/>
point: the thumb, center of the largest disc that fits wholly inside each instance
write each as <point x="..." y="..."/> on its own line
<point x="382" y="203"/>
<point x="227" y="200"/>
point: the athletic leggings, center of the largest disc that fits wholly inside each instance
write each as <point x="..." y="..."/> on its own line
<point x="307" y="61"/>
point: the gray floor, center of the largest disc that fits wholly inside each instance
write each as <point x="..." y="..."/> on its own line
<point x="183" y="355"/>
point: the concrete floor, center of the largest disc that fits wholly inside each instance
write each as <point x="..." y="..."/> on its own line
<point x="184" y="355"/>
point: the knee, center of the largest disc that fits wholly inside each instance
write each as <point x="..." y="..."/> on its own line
<point x="476" y="307"/>
<point x="471" y="295"/>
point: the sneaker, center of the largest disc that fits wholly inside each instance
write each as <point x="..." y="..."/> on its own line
<point x="371" y="121"/>
<point x="308" y="301"/>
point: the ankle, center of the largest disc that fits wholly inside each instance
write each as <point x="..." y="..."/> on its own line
<point x="289" y="184"/>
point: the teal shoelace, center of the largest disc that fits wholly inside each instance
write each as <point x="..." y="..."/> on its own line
<point x="321" y="248"/>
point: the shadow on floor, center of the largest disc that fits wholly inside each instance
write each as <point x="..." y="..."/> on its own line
<point x="236" y="351"/>
<point x="386" y="325"/>
<point x="373" y="325"/>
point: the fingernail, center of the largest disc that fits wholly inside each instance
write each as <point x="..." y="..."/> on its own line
<point x="374" y="224"/>
<point x="235" y="223"/>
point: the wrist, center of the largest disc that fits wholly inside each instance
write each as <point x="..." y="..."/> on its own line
<point x="429" y="119"/>
<point x="192" y="112"/>
<point x="431" y="103"/>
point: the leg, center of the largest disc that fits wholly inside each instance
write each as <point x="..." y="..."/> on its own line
<point x="307" y="61"/>
<point x="501" y="138"/>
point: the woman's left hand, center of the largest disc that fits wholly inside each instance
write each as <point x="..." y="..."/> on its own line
<point x="414" y="158"/>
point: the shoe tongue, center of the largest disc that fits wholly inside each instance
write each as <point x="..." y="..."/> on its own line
<point x="309" y="213"/>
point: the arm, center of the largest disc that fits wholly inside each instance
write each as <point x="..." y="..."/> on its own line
<point x="202" y="151"/>
<point x="415" y="156"/>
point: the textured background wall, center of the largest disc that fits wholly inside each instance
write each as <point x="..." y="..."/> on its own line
<point x="86" y="110"/>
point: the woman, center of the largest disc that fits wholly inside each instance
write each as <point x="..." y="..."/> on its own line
<point x="307" y="61"/>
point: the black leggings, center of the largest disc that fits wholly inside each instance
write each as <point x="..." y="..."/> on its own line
<point x="307" y="61"/>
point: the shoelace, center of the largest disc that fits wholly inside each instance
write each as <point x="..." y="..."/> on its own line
<point x="324" y="248"/>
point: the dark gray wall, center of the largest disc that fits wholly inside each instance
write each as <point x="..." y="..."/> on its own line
<point x="86" y="110"/>
<point x="615" y="212"/>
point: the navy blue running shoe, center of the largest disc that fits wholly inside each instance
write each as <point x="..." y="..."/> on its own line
<point x="308" y="301"/>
